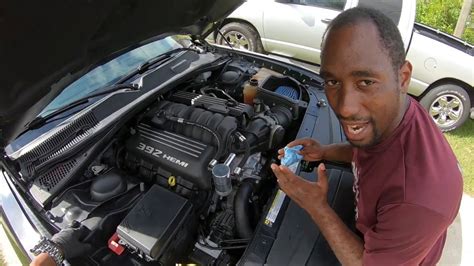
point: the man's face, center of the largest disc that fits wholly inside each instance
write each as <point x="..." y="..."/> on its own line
<point x="362" y="87"/>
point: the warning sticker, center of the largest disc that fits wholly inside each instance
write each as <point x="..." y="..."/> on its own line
<point x="278" y="201"/>
<point x="275" y="208"/>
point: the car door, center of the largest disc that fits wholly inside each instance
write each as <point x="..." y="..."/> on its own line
<point x="294" y="28"/>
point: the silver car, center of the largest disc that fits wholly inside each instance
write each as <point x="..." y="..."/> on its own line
<point x="443" y="65"/>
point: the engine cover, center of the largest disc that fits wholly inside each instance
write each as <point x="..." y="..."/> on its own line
<point x="177" y="154"/>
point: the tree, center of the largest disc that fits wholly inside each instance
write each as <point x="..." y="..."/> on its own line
<point x="464" y="14"/>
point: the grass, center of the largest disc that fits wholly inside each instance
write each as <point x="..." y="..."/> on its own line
<point x="23" y="259"/>
<point x="462" y="143"/>
<point x="2" y="260"/>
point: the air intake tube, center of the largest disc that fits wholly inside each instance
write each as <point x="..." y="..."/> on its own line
<point x="267" y="130"/>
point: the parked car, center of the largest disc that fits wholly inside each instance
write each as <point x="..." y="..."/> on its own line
<point x="111" y="123"/>
<point x="443" y="76"/>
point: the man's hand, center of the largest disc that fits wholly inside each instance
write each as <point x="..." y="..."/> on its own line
<point x="70" y="242"/>
<point x="43" y="259"/>
<point x="312" y="150"/>
<point x="310" y="196"/>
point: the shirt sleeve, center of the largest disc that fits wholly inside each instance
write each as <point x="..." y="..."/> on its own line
<point x="403" y="235"/>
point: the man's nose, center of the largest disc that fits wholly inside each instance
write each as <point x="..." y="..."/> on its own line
<point x="349" y="102"/>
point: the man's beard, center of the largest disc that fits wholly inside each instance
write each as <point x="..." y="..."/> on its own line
<point x="376" y="138"/>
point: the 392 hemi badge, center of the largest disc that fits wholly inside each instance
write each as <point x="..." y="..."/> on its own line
<point x="160" y="154"/>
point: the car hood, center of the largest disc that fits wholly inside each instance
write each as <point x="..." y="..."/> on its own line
<point x="45" y="45"/>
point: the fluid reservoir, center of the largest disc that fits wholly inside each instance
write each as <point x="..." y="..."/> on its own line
<point x="221" y="176"/>
<point x="250" y="90"/>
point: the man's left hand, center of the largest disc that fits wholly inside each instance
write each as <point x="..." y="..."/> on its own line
<point x="310" y="196"/>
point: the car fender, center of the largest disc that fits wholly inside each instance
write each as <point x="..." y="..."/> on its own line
<point x="440" y="61"/>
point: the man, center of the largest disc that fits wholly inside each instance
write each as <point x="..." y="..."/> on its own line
<point x="66" y="244"/>
<point x="407" y="181"/>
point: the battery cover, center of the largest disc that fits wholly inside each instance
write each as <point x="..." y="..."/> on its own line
<point x="153" y="222"/>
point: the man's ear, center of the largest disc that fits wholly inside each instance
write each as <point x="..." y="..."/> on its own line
<point x="404" y="76"/>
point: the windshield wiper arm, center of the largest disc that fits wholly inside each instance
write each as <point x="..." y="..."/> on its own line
<point x="153" y="61"/>
<point x="41" y="120"/>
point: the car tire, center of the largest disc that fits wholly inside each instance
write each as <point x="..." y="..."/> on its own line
<point x="448" y="105"/>
<point x="240" y="36"/>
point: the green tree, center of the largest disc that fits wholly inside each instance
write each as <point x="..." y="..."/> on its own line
<point x="443" y="15"/>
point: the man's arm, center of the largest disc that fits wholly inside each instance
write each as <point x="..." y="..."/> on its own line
<point x="312" y="196"/>
<point x="346" y="245"/>
<point x="67" y="241"/>
<point x="403" y="235"/>
<point x="339" y="152"/>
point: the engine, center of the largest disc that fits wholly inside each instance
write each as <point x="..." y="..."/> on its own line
<point x="190" y="136"/>
<point x="195" y="143"/>
<point x="189" y="176"/>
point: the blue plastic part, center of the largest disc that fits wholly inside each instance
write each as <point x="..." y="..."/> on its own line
<point x="289" y="92"/>
<point x="291" y="155"/>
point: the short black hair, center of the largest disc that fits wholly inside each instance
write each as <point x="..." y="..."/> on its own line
<point x="389" y="34"/>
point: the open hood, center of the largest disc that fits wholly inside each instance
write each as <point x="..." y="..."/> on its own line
<point x="46" y="45"/>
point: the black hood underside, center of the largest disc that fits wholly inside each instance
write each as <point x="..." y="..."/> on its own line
<point x="45" y="45"/>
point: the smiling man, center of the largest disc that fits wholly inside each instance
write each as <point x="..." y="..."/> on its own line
<point x="408" y="185"/>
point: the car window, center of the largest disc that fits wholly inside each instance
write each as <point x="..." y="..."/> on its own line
<point x="391" y="8"/>
<point x="110" y="72"/>
<point x="333" y="4"/>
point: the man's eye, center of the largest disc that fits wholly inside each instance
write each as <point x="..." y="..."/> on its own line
<point x="330" y="83"/>
<point x="366" y="82"/>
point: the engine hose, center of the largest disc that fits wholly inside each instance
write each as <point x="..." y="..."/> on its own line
<point x="189" y="123"/>
<point x="242" y="209"/>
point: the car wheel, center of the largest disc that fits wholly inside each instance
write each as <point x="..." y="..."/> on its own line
<point x="241" y="36"/>
<point x="448" y="105"/>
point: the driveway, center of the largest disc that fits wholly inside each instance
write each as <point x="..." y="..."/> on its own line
<point x="459" y="245"/>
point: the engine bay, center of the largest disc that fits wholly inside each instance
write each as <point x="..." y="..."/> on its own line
<point x="188" y="178"/>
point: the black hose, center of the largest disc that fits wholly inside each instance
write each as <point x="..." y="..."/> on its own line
<point x="242" y="209"/>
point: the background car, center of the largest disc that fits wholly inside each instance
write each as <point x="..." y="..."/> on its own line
<point x="442" y="77"/>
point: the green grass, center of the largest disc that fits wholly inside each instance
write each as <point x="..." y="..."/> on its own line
<point x="462" y="143"/>
<point x="23" y="259"/>
<point x="2" y="260"/>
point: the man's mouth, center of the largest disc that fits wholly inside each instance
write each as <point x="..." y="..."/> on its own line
<point x="356" y="131"/>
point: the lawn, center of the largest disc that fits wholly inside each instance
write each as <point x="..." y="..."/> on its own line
<point x="21" y="257"/>
<point x="462" y="142"/>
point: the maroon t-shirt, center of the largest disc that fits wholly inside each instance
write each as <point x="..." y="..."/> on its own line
<point x="408" y="190"/>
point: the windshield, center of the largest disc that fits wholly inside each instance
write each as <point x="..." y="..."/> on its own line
<point x="110" y="72"/>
